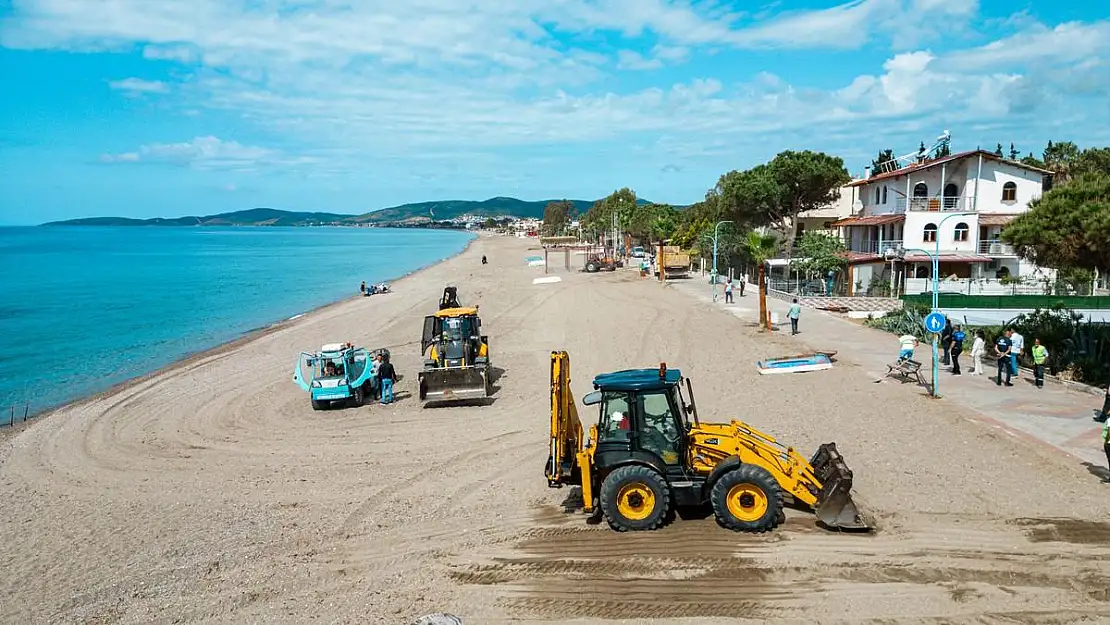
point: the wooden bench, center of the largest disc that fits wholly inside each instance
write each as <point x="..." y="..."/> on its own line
<point x="906" y="370"/>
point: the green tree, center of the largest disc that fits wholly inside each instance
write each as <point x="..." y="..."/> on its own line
<point x="1060" y="158"/>
<point x="556" y="217"/>
<point x="1068" y="227"/>
<point x="1093" y="161"/>
<point x="821" y="253"/>
<point x="664" y="222"/>
<point x="883" y="157"/>
<point x="775" y="193"/>
<point x="621" y="203"/>
<point x="761" y="248"/>
<point x="1033" y="161"/>
<point x="998" y="151"/>
<point x="1013" y="152"/>
<point x="945" y="150"/>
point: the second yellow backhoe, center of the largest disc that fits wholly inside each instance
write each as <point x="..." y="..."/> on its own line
<point x="649" y="453"/>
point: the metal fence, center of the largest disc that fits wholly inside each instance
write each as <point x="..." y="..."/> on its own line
<point x="15" y="414"/>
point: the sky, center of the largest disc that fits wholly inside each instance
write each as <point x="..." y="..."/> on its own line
<point x="148" y="108"/>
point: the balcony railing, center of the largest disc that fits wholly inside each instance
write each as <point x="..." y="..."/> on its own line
<point x="873" y="247"/>
<point x="947" y="204"/>
<point x="995" y="247"/>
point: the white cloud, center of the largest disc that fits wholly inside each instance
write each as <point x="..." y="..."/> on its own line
<point x="137" y="86"/>
<point x="205" y="153"/>
<point x="438" y="79"/>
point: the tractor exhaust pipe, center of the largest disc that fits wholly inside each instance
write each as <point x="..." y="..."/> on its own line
<point x="835" y="508"/>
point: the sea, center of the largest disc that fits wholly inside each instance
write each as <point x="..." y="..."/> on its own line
<point x="85" y="307"/>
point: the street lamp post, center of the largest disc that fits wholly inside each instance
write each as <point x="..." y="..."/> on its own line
<point x="715" y="231"/>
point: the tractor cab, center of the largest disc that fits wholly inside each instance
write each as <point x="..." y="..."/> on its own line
<point x="643" y="415"/>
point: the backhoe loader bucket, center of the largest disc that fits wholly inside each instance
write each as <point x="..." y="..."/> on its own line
<point x="454" y="383"/>
<point x="835" y="508"/>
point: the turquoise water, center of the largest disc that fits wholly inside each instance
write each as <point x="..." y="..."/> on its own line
<point x="83" y="308"/>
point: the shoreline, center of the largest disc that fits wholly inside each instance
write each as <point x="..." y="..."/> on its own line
<point x="190" y="358"/>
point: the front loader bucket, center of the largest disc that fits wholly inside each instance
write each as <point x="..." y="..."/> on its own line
<point x="835" y="508"/>
<point x="451" y="384"/>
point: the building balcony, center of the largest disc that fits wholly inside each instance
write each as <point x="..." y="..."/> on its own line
<point x="995" y="247"/>
<point x="873" y="247"/>
<point x="948" y="204"/>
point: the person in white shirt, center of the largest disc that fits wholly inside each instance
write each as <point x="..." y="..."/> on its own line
<point x="1017" y="346"/>
<point x="906" y="344"/>
<point x="978" y="348"/>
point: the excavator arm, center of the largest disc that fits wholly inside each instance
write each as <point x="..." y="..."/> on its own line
<point x="566" y="428"/>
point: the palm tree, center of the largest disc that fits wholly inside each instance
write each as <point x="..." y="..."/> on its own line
<point x="761" y="248"/>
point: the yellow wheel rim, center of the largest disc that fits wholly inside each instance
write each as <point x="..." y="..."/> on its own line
<point x="747" y="502"/>
<point x="635" y="501"/>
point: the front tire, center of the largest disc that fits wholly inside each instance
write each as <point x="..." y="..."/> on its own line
<point x="358" y="398"/>
<point x="747" y="499"/>
<point x="635" y="498"/>
<point x="591" y="267"/>
<point x="318" y="405"/>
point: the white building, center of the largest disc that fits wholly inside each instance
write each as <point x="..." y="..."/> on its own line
<point x="823" y="219"/>
<point x="955" y="207"/>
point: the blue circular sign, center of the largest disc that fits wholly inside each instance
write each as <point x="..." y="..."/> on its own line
<point x="934" y="322"/>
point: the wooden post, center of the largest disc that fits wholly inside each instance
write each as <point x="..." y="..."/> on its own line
<point x="545" y="250"/>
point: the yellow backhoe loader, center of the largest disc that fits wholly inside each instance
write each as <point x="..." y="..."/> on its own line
<point x="458" y="364"/>
<point x="648" y="452"/>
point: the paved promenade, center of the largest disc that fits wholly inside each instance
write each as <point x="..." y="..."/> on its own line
<point x="1055" y="415"/>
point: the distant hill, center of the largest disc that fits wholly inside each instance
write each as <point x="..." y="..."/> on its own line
<point x="405" y="213"/>
<point x="251" y="217"/>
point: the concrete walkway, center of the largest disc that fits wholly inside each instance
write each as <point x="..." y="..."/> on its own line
<point x="1054" y="415"/>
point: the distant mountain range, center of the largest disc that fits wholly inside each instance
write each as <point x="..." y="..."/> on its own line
<point x="409" y="214"/>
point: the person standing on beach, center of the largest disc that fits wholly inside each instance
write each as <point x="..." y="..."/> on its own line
<point x="794" y="312"/>
<point x="362" y="287"/>
<point x="1040" y="355"/>
<point x="978" y="349"/>
<point x="1002" y="348"/>
<point x="958" y="337"/>
<point x="1106" y="445"/>
<point x="946" y="341"/>
<point x="1104" y="414"/>
<point x="728" y="292"/>
<point x="1017" y="342"/>
<point x="386" y="375"/>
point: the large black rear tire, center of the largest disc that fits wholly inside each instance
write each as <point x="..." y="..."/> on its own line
<point x="591" y="267"/>
<point x="747" y="499"/>
<point x="635" y="498"/>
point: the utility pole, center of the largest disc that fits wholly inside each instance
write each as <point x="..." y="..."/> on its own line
<point x="714" y="275"/>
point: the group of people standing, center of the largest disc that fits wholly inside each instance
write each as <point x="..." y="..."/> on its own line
<point x="1007" y="348"/>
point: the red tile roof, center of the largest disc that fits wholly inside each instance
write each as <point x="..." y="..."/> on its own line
<point x="995" y="219"/>
<point x="940" y="161"/>
<point x="869" y="220"/>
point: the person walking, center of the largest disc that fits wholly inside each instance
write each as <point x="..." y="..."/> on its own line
<point x="946" y="341"/>
<point x="978" y="350"/>
<point x="386" y="375"/>
<point x="1106" y="446"/>
<point x="1017" y="342"/>
<point x="958" y="337"/>
<point x="1002" y="348"/>
<point x="794" y="312"/>
<point x="743" y="281"/>
<point x="1104" y="415"/>
<point x="1040" y="356"/>
<point x="728" y="291"/>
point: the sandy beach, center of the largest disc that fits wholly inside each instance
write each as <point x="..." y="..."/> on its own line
<point x="211" y="492"/>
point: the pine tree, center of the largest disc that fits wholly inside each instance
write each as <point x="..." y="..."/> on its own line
<point x="998" y="151"/>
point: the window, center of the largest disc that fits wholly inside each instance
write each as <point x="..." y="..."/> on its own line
<point x="951" y="196"/>
<point x="616" y="419"/>
<point x="660" y="433"/>
<point x="876" y="195"/>
<point x="884" y="195"/>
<point x="1009" y="192"/>
<point x="961" y="231"/>
<point x="921" y="190"/>
<point x="930" y="233"/>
